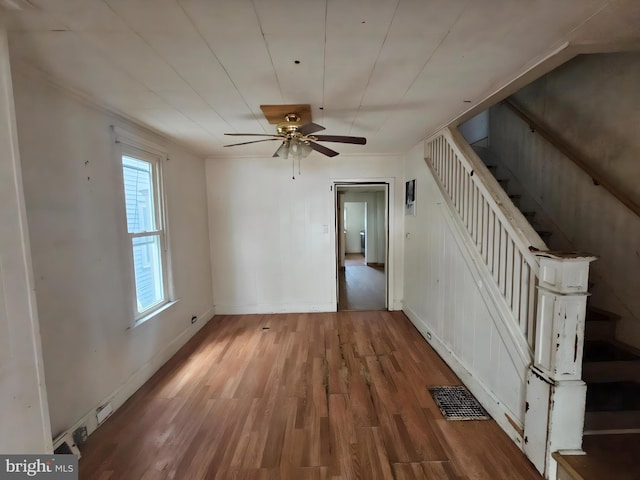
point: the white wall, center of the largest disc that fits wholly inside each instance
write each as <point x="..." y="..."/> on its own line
<point x="591" y="103"/>
<point x="355" y="213"/>
<point x="273" y="238"/>
<point x="444" y="301"/>
<point x="24" y="416"/>
<point x="80" y="257"/>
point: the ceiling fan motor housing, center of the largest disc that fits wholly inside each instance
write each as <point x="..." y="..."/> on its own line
<point x="290" y="125"/>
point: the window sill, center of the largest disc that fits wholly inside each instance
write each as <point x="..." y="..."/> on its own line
<point x="155" y="313"/>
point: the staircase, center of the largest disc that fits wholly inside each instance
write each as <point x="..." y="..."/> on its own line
<point x="610" y="368"/>
<point x="520" y="199"/>
<point x="612" y="372"/>
<point x="535" y="298"/>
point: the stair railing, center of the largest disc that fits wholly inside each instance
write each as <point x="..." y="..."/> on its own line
<point x="502" y="236"/>
<point x="541" y="295"/>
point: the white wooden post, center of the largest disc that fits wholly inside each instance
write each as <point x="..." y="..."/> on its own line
<point x="554" y="414"/>
<point x="24" y="411"/>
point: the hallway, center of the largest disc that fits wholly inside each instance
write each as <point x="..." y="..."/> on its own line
<point x="322" y="396"/>
<point x="362" y="287"/>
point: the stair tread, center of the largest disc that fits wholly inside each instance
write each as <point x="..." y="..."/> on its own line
<point x="607" y="456"/>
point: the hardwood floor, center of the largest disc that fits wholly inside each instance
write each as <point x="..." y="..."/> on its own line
<point x="322" y="396"/>
<point x="353" y="259"/>
<point x="361" y="287"/>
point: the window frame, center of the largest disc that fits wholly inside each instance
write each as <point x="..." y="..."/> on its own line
<point x="130" y="145"/>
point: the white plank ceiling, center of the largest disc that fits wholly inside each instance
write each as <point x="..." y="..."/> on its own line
<point x="388" y="70"/>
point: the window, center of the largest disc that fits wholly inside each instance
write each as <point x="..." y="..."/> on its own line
<point x="146" y="228"/>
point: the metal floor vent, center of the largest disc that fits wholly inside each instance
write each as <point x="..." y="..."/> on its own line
<point x="457" y="403"/>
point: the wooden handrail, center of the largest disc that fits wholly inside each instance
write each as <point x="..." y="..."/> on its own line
<point x="563" y="148"/>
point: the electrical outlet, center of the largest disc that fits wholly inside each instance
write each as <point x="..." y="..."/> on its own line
<point x="194" y="319"/>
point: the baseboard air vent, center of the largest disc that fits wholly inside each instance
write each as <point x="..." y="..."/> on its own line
<point x="103" y="412"/>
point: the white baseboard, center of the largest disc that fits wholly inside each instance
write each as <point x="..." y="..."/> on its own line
<point x="487" y="399"/>
<point x="274" y="308"/>
<point x="118" y="397"/>
<point x="285" y="308"/>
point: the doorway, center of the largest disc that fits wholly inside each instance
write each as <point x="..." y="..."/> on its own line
<point x="362" y="246"/>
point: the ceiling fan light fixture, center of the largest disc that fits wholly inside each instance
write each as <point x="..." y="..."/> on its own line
<point x="299" y="149"/>
<point x="283" y="151"/>
<point x="306" y="149"/>
<point x="294" y="148"/>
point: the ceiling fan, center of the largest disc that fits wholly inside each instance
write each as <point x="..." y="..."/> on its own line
<point x="296" y="132"/>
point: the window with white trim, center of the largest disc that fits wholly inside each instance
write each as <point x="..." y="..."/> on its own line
<point x="143" y="195"/>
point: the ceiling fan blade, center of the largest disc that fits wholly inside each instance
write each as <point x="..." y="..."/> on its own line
<point x="253" y="141"/>
<point x="341" y="139"/>
<point x="310" y="128"/>
<point x="252" y="135"/>
<point x="322" y="149"/>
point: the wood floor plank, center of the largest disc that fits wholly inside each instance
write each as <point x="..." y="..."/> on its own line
<point x="408" y="471"/>
<point x="328" y="396"/>
<point x="440" y="471"/>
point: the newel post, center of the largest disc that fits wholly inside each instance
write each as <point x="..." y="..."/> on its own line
<point x="556" y="394"/>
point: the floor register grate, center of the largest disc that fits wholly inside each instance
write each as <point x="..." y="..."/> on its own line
<point x="457" y="403"/>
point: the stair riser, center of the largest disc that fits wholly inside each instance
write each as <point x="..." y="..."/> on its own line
<point x="600" y="331"/>
<point x="625" y="420"/>
<point x="616" y="371"/>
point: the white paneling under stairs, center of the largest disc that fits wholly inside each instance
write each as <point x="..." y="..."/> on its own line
<point x="482" y="287"/>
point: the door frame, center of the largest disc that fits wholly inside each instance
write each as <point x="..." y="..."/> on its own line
<point x="390" y="219"/>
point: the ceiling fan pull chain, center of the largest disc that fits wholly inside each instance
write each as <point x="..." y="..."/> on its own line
<point x="298" y="166"/>
<point x="293" y="168"/>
